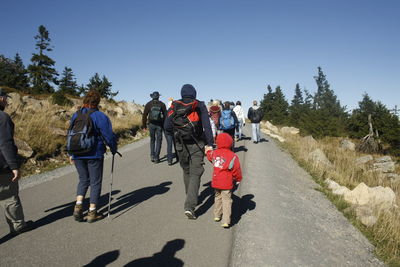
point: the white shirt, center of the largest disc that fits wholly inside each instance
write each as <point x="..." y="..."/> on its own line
<point x="239" y="112"/>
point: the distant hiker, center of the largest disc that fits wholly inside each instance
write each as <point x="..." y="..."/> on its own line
<point x="189" y="123"/>
<point x="226" y="172"/>
<point x="255" y="115"/>
<point x="170" y="139"/>
<point x="241" y="119"/>
<point x="228" y="121"/>
<point x="214" y="113"/>
<point x="154" y="114"/>
<point x="89" y="160"/>
<point x="10" y="174"/>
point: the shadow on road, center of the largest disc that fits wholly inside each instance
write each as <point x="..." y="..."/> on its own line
<point x="206" y="196"/>
<point x="240" y="206"/>
<point x="104" y="259"/>
<point x="130" y="200"/>
<point x="240" y="149"/>
<point x="166" y="257"/>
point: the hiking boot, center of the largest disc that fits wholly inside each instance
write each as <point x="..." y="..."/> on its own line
<point x="78" y="213"/>
<point x="225" y="225"/>
<point x="156" y="161"/>
<point x="29" y="225"/>
<point x="152" y="159"/>
<point x="94" y="216"/>
<point x="190" y="215"/>
<point x="217" y="219"/>
<point x="169" y="162"/>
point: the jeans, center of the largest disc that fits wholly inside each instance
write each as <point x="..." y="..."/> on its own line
<point x="191" y="159"/>
<point x="90" y="173"/>
<point x="239" y="131"/>
<point x="255" y="127"/>
<point x="155" y="140"/>
<point x="170" y="143"/>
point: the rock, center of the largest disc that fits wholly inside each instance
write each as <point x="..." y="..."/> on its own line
<point x="384" y="159"/>
<point x="23" y="148"/>
<point x="271" y="127"/>
<point x="138" y="135"/>
<point x="131" y="107"/>
<point x="336" y="188"/>
<point x="380" y="197"/>
<point x="347" y="145"/>
<point x="119" y="111"/>
<point x="310" y="141"/>
<point x="318" y="156"/>
<point x="332" y="185"/>
<point x="32" y="103"/>
<point x="58" y="131"/>
<point x="393" y="177"/>
<point x="268" y="132"/>
<point x="289" y="130"/>
<point x="364" y="159"/>
<point x="384" y="164"/>
<point x="366" y="215"/>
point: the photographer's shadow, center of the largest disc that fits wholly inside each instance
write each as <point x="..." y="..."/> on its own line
<point x="240" y="206"/>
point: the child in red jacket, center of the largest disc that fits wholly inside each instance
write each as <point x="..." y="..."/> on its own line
<point x="226" y="172"/>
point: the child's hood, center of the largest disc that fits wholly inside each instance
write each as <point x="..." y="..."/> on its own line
<point x="224" y="140"/>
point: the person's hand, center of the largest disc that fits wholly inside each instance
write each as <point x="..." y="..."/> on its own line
<point x="208" y="148"/>
<point x="17" y="175"/>
<point x="71" y="161"/>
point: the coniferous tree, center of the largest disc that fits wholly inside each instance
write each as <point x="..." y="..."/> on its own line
<point x="266" y="103"/>
<point x="102" y="85"/>
<point x="296" y="107"/>
<point x="13" y="73"/>
<point x="279" y="112"/>
<point x="68" y="83"/>
<point x="21" y="80"/>
<point x="42" y="72"/>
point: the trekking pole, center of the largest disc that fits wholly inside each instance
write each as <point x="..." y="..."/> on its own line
<point x="111" y="183"/>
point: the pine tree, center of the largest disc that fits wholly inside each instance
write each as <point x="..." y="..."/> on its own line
<point x="68" y="83"/>
<point x="102" y="85"/>
<point x="279" y="112"/>
<point x="266" y="103"/>
<point x="296" y="107"/>
<point x="13" y="73"/>
<point x="42" y="72"/>
<point x="21" y="81"/>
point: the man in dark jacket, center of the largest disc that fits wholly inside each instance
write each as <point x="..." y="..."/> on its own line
<point x="154" y="114"/>
<point x="191" y="150"/>
<point x="9" y="173"/>
<point x="255" y="115"/>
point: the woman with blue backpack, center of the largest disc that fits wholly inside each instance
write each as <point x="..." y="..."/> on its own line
<point x="89" y="133"/>
<point x="228" y="122"/>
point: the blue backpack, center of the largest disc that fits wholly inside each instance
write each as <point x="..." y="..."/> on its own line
<point x="226" y="121"/>
<point x="81" y="137"/>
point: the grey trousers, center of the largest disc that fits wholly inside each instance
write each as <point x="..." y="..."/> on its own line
<point x="10" y="202"/>
<point x="193" y="169"/>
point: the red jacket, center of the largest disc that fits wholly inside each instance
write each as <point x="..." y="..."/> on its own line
<point x="226" y="163"/>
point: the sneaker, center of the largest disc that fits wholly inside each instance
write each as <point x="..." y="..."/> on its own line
<point x="152" y="159"/>
<point x="94" y="216"/>
<point x="156" y="161"/>
<point x="169" y="163"/>
<point x="29" y="225"/>
<point x="225" y="225"/>
<point x="78" y="213"/>
<point x="217" y="219"/>
<point x="190" y="215"/>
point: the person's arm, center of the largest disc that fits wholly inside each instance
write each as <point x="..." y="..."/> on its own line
<point x="205" y="121"/>
<point x="145" y="114"/>
<point x="237" y="171"/>
<point x="7" y="146"/>
<point x="164" y="110"/>
<point x="209" y="154"/>
<point x="236" y="122"/>
<point x="168" y="124"/>
<point x="103" y="124"/>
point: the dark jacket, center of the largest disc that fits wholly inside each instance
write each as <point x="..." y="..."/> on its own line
<point x="102" y="126"/>
<point x="252" y="111"/>
<point x="147" y="108"/>
<point x="188" y="94"/>
<point x="8" y="149"/>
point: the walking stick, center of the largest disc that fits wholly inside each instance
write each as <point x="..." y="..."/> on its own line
<point x="111" y="183"/>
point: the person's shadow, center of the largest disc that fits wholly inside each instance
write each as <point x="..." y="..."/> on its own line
<point x="240" y="148"/>
<point x="206" y="199"/>
<point x="104" y="259"/>
<point x="130" y="200"/>
<point x="166" y="257"/>
<point x="240" y="206"/>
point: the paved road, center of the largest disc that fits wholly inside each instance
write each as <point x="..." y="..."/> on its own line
<point x="279" y="219"/>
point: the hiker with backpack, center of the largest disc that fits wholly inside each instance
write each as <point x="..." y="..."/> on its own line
<point x="189" y="123"/>
<point x="255" y="115"/>
<point x="226" y="172"/>
<point x="228" y="121"/>
<point x="89" y="133"/>
<point x="154" y="114"/>
<point x="241" y="119"/>
<point x="215" y="114"/>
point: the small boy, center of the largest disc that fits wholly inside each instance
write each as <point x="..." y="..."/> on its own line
<point x="226" y="172"/>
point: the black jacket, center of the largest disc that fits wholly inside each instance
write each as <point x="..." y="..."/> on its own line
<point x="147" y="109"/>
<point x="8" y="149"/>
<point x="252" y="112"/>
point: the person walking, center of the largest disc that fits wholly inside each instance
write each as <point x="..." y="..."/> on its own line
<point x="226" y="172"/>
<point x="228" y="122"/>
<point x="255" y="116"/>
<point x="170" y="139"/>
<point x="10" y="174"/>
<point x="189" y="123"/>
<point x="241" y="119"/>
<point x="89" y="165"/>
<point x="214" y="113"/>
<point x="154" y="114"/>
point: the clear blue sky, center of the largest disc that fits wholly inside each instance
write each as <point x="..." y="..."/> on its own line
<point x="226" y="49"/>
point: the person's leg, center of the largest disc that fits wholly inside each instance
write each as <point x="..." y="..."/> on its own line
<point x="254" y="132"/>
<point x="184" y="161"/>
<point x="217" y="205"/>
<point x="83" y="185"/>
<point x="258" y="131"/>
<point x="226" y="196"/>
<point x="95" y="167"/>
<point x="240" y="129"/>
<point x="169" y="147"/>
<point x="196" y="171"/>
<point x="158" y="130"/>
<point x="152" y="132"/>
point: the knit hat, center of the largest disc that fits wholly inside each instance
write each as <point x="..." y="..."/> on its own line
<point x="188" y="91"/>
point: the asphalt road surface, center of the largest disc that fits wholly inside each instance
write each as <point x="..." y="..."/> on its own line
<point x="278" y="219"/>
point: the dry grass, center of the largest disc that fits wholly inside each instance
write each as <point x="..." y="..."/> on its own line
<point x="385" y="234"/>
